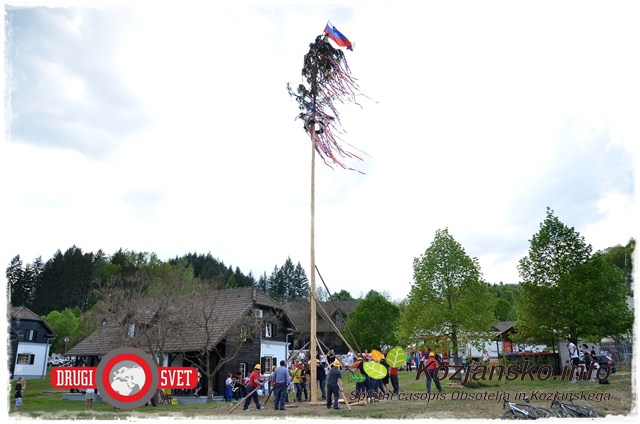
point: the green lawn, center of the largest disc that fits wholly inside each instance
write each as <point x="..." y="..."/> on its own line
<point x="477" y="400"/>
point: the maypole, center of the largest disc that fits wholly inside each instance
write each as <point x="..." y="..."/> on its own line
<point x="328" y="80"/>
<point x="312" y="282"/>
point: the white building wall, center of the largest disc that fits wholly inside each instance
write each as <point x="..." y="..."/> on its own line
<point x="494" y="348"/>
<point x="274" y="349"/>
<point x="278" y="351"/>
<point x="39" y="367"/>
<point x="491" y="347"/>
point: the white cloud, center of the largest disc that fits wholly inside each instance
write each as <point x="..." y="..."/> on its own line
<point x="170" y="130"/>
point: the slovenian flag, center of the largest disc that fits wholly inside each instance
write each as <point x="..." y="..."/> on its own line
<point x="337" y="36"/>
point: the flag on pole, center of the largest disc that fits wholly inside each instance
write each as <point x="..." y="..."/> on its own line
<point x="337" y="36"/>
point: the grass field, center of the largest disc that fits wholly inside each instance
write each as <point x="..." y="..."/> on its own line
<point x="480" y="400"/>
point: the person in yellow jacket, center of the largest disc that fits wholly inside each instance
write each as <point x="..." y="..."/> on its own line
<point x="299" y="381"/>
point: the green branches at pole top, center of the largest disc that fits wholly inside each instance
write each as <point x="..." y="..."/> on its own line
<point x="328" y="80"/>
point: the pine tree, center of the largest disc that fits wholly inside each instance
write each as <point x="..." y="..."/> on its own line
<point x="299" y="284"/>
<point x="20" y="289"/>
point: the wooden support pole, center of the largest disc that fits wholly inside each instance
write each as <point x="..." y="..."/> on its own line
<point x="330" y="321"/>
<point x="346" y="402"/>
<point x="293" y="354"/>
<point x="360" y="402"/>
<point x="242" y="401"/>
<point x="320" y="344"/>
<point x="338" y="310"/>
<point x="269" y="397"/>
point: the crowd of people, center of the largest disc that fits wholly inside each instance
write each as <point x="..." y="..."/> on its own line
<point x="293" y="377"/>
<point x="587" y="367"/>
<point x="289" y="382"/>
<point x="283" y="380"/>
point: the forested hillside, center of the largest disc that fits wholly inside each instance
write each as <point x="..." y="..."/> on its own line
<point x="73" y="279"/>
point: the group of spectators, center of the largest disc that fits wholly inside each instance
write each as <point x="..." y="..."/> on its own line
<point x="417" y="356"/>
<point x="587" y="368"/>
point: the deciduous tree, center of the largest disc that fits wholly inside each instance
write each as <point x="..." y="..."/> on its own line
<point x="146" y="306"/>
<point x="65" y="324"/>
<point x="622" y="257"/>
<point x="373" y="322"/>
<point x="342" y="295"/>
<point x="566" y="292"/>
<point x="448" y="297"/>
<point x="168" y="312"/>
<point x="555" y="250"/>
<point x="203" y="315"/>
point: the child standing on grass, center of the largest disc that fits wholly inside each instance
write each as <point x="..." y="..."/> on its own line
<point x="21" y="385"/>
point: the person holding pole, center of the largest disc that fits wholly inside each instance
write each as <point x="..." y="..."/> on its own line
<point x="322" y="377"/>
<point x="252" y="385"/>
<point x="393" y="375"/>
<point x="334" y="385"/>
<point x="298" y="381"/>
<point x="281" y="380"/>
<point x="431" y="366"/>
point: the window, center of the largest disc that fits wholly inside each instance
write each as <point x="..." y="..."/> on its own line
<point x="30" y="334"/>
<point x="267" y="363"/>
<point x="25" y="359"/>
<point x="243" y="369"/>
<point x="268" y="330"/>
<point x="338" y="319"/>
<point x="131" y="332"/>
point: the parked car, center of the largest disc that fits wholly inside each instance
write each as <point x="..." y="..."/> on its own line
<point x="61" y="361"/>
<point x="606" y="360"/>
<point x="55" y="359"/>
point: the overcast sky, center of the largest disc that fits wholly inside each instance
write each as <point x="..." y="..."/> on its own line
<point x="167" y="128"/>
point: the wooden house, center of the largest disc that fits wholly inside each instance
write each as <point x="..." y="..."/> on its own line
<point x="29" y="343"/>
<point x="335" y="311"/>
<point x="241" y="327"/>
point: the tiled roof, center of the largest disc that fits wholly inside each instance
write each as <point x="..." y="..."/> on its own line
<point x="100" y="342"/>
<point x="300" y="312"/>
<point x="21" y="312"/>
<point x="502" y="326"/>
<point x="24" y="313"/>
<point x="218" y="310"/>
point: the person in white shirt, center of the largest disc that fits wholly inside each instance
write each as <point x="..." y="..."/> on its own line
<point x="574" y="354"/>
<point x="228" y="388"/>
<point x="88" y="398"/>
<point x="595" y="367"/>
<point x="349" y="359"/>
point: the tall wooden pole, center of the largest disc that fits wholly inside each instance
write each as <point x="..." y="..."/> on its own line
<point x="312" y="288"/>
